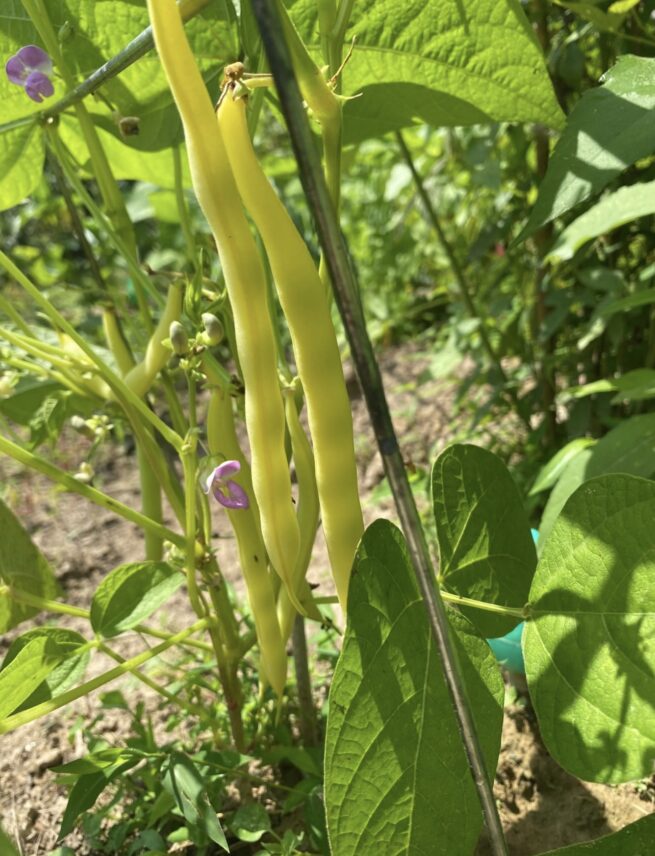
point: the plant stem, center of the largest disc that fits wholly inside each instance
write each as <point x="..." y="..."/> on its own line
<point x="463" y="286"/>
<point x="183" y="211"/>
<point x="191" y="708"/>
<point x="542" y="239"/>
<point x="346" y="294"/>
<point x="308" y="724"/>
<point x="71" y="170"/>
<point x="66" y="609"/>
<point x="34" y="462"/>
<point x="10" y="723"/>
<point x="483" y="605"/>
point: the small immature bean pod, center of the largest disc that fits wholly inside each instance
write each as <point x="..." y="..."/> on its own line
<point x="222" y="439"/>
<point x="142" y="376"/>
<point x="245" y="281"/>
<point x="115" y="341"/>
<point x="306" y="308"/>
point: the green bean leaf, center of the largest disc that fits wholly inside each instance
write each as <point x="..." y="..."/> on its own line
<point x="628" y="448"/>
<point x="636" y="839"/>
<point x="130" y="593"/>
<point x="486" y="549"/>
<point x="589" y="647"/>
<point x="37" y="665"/>
<point x="609" y="129"/>
<point x="23" y="567"/>
<point x="396" y="777"/>
<point x="440" y="62"/>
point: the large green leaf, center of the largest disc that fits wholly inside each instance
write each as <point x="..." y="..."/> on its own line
<point x="628" y="448"/>
<point x="609" y="128"/>
<point x="130" y="593"/>
<point x="28" y="669"/>
<point x="396" y="777"/>
<point x="485" y="547"/>
<point x="589" y="647"/>
<point x="441" y="62"/>
<point x="633" y="840"/>
<point x="22" y="566"/>
<point x="614" y="210"/>
<point x="67" y="654"/>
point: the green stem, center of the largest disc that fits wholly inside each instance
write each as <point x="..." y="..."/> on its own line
<point x="480" y="604"/>
<point x="176" y="700"/>
<point x="14" y="316"/>
<point x="141" y="280"/>
<point x="10" y="723"/>
<point x="463" y="285"/>
<point x="77" y="611"/>
<point x="307" y="719"/>
<point x="96" y="496"/>
<point x="183" y="211"/>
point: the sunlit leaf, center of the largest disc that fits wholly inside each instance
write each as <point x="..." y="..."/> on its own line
<point x="628" y="448"/>
<point x="441" y="62"/>
<point x="130" y="593"/>
<point x="614" y="210"/>
<point x="590" y="644"/>
<point x="608" y="129"/>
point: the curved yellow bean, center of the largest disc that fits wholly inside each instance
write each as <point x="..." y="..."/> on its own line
<point x="142" y="376"/>
<point x="222" y="439"/>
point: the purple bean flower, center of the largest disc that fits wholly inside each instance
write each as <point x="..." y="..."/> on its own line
<point x="225" y="489"/>
<point x="31" y="68"/>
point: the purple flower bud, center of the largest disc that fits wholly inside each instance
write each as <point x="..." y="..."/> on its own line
<point x="226" y="490"/>
<point x="31" y="68"/>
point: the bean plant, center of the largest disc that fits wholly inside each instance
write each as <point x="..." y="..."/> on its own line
<point x="224" y="370"/>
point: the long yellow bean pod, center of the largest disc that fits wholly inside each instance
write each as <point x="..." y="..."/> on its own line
<point x="245" y="280"/>
<point x="305" y="306"/>
<point x="222" y="440"/>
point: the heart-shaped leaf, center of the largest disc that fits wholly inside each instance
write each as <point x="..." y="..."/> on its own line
<point x="396" y="776"/>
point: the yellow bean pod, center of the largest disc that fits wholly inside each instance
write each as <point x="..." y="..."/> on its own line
<point x="307" y="514"/>
<point x="222" y="440"/>
<point x="142" y="376"/>
<point x="88" y="379"/>
<point x="115" y="341"/>
<point x="245" y="281"/>
<point x="306" y="308"/>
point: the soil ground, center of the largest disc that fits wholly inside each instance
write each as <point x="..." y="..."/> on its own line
<point x="541" y="806"/>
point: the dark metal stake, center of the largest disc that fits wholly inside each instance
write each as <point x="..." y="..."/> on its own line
<point x="346" y="296"/>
